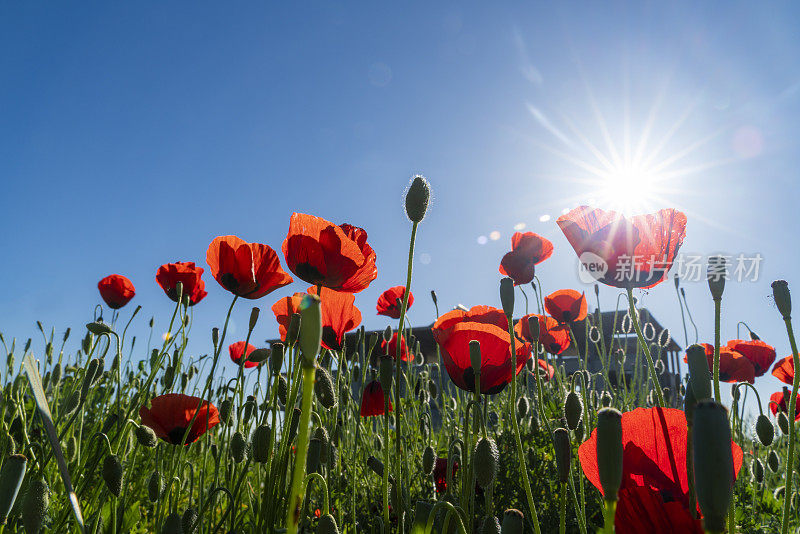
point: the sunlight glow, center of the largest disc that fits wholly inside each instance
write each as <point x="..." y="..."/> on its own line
<point x="628" y="189"/>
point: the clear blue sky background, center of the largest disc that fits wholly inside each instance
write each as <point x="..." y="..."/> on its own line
<point x="133" y="134"/>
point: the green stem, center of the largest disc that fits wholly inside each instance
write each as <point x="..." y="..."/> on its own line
<point x="609" y="511"/>
<point x="295" y="501"/>
<point x="562" y="515"/>
<point x="787" y="497"/>
<point x="643" y="344"/>
<point x="717" y="314"/>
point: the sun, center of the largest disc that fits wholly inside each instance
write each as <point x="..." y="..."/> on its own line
<point x="629" y="189"/>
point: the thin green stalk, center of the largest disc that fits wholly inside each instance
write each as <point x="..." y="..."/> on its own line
<point x="787" y="494"/>
<point x="717" y="314"/>
<point x="295" y="501"/>
<point x="643" y="344"/>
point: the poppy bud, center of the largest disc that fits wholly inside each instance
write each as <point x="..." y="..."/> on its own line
<point x="507" y="296"/>
<point x="487" y="458"/>
<point x="283" y="389"/>
<point x="783" y="423"/>
<point x="11" y="475"/>
<point x="261" y="440"/>
<point x="716" y="273"/>
<point x="56" y="378"/>
<point x="689" y="402"/>
<point x="713" y="463"/>
<point x="294" y="424"/>
<point x="276" y="358"/>
<point x="314" y="455"/>
<point x="764" y="430"/>
<point x="758" y="471"/>
<point x="34" y="507"/>
<point x="323" y="388"/>
<point x="606" y="399"/>
<point x="72" y="403"/>
<point x="475" y="356"/>
<point x="773" y="461"/>
<point x="417" y="198"/>
<point x="112" y="474"/>
<point x="573" y="410"/>
<point x="698" y="371"/>
<point x="254" y="317"/>
<point x="754" y="336"/>
<point x="226" y="411"/>
<point x="376" y="465"/>
<point x="783" y="300"/>
<point x="533" y="328"/>
<point x="522" y="407"/>
<point x="433" y="298"/>
<point x="310" y="329"/>
<point x="563" y="453"/>
<point x="293" y="330"/>
<point x="189" y="520"/>
<point x="256" y="356"/>
<point x="433" y="389"/>
<point x="173" y="524"/>
<point x="609" y="451"/>
<point x="327" y="525"/>
<point x="490" y="525"/>
<point x="146" y="436"/>
<point x="154" y="486"/>
<point x="88" y="377"/>
<point x="239" y="447"/>
<point x="98" y="327"/>
<point x="513" y="522"/>
<point x="321" y="434"/>
<point x="386" y="374"/>
<point x="428" y="460"/>
<point x="249" y="409"/>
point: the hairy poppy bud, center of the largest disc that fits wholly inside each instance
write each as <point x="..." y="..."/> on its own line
<point x="475" y="356"/>
<point x="513" y="522"/>
<point x="386" y="374"/>
<point x="189" y="520"/>
<point x="609" y="451"/>
<point x="375" y="465"/>
<point x="314" y="455"/>
<point x="487" y="458"/>
<point x="98" y="327"/>
<point x="294" y="424"/>
<point x="226" y="411"/>
<point x="276" y="354"/>
<point x="327" y="525"/>
<point x="606" y="399"/>
<point x="249" y="408"/>
<point x="146" y="436"/>
<point x="689" y="402"/>
<point x="88" y="377"/>
<point x="56" y="377"/>
<point x="283" y="389"/>
<point x="783" y="300"/>
<point x="310" y="329"/>
<point x="717" y="272"/>
<point x="154" y="486"/>
<point x="764" y="430"/>
<point x="699" y="372"/>
<point x="323" y="388"/>
<point x="783" y="423"/>
<point x="490" y="525"/>
<point x="321" y="434"/>
<point x="573" y="410"/>
<point x="713" y="463"/>
<point x="173" y="524"/>
<point x="758" y="470"/>
<point x="563" y="453"/>
<point x="72" y="403"/>
<point x="533" y="328"/>
<point x="254" y="317"/>
<point x="240" y="449"/>
<point x="112" y="474"/>
<point x="507" y="296"/>
<point x="433" y="298"/>
<point x="433" y="389"/>
<point x="417" y="198"/>
<point x="428" y="460"/>
<point x="34" y="507"/>
<point x="522" y="407"/>
<point x="261" y="439"/>
<point x="387" y="334"/>
<point x="11" y="476"/>
<point x="773" y="461"/>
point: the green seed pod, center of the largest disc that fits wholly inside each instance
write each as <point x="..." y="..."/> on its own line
<point x="428" y="460"/>
<point x="764" y="430"/>
<point x="112" y="474"/>
<point x="276" y="355"/>
<point x="700" y="376"/>
<point x="283" y="389"/>
<point x="773" y="461"/>
<point x="310" y="329"/>
<point x="475" y="356"/>
<point x="758" y="471"/>
<point x="783" y="423"/>
<point x="507" y="296"/>
<point x="713" y="463"/>
<point x="240" y="448"/>
<point x="323" y="388"/>
<point x="34" y="507"/>
<point x="573" y="410"/>
<point x="513" y="521"/>
<point x="606" y="399"/>
<point x="190" y="519"/>
<point x="716" y="273"/>
<point x="609" y="451"/>
<point x="487" y="459"/>
<point x="226" y="411"/>
<point x="375" y="465"/>
<point x="386" y="373"/>
<point x="173" y="524"/>
<point x="11" y="475"/>
<point x="522" y="407"/>
<point x="261" y="441"/>
<point x="783" y="300"/>
<point x="689" y="403"/>
<point x="154" y="486"/>
<point x="563" y="453"/>
<point x="417" y="198"/>
<point x="327" y="525"/>
<point x="490" y="525"/>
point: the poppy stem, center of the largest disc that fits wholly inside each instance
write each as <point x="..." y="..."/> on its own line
<point x="609" y="512"/>
<point x="787" y="497"/>
<point x="385" y="481"/>
<point x="295" y="500"/>
<point x="717" y="315"/>
<point x="643" y="344"/>
<point x="562" y="515"/>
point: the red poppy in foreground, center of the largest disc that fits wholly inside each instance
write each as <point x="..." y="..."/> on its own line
<point x="454" y="330"/>
<point x="547" y="371"/>
<point x="631" y="252"/>
<point x="733" y="367"/>
<point x="329" y="255"/>
<point x="554" y="337"/>
<point x="387" y="302"/>
<point x="169" y="416"/>
<point x="116" y="290"/>
<point x="169" y="274"/>
<point x="784" y="370"/>
<point x="390" y="348"/>
<point x="759" y="353"/>
<point x="237" y="350"/>
<point x="654" y="457"/>
<point x="777" y="401"/>
<point x="642" y="510"/>
<point x="249" y="270"/>
<point x="527" y="250"/>
<point x="338" y="312"/>
<point x="440" y="474"/>
<point x="372" y="400"/>
<point x="566" y="305"/>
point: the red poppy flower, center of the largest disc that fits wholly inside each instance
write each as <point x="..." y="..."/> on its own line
<point x="236" y="350"/>
<point x="566" y="305"/>
<point x="440" y="474"/>
<point x="249" y="270"/>
<point x="549" y="370"/>
<point x="777" y="401"/>
<point x="637" y="251"/>
<point x="642" y="510"/>
<point x="372" y="400"/>
<point x="527" y="250"/>
<point x="169" y="416"/>
<point x="387" y="302"/>
<point x="784" y="370"/>
<point x="654" y="457"/>
<point x="759" y="353"/>
<point x="338" y="312"/>
<point x="322" y="253"/>
<point x="116" y="290"/>
<point x="554" y="337"/>
<point x="169" y="274"/>
<point x="733" y="367"/>
<point x="454" y="330"/>
<point x="390" y="348"/>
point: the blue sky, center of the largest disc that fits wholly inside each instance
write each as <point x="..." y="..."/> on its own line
<point x="132" y="135"/>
